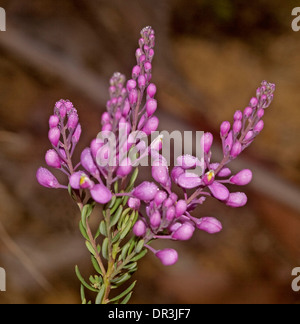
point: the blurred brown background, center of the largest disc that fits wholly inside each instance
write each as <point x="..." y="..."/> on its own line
<point x="211" y="57"/>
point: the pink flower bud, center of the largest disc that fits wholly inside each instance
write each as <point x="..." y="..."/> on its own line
<point x="52" y="159"/>
<point x="138" y="54"/>
<point x="151" y="125"/>
<point x="125" y="168"/>
<point x="54" y="136"/>
<point x="253" y="102"/>
<point x="174" y="197"/>
<point x="155" y="219"/>
<point x="184" y="232"/>
<point x="219" y="191"/>
<point x="46" y="179"/>
<point x="131" y="84"/>
<point x="96" y="145"/>
<point x="189" y="180"/>
<point x="139" y="229"/>
<point x="207" y="142"/>
<point x="210" y="225"/>
<point x="181" y="208"/>
<point x="107" y="128"/>
<point x="160" y="173"/>
<point x="224" y="173"/>
<point x="151" y="90"/>
<point x="238" y="115"/>
<point x="237" y="126"/>
<point x="260" y="113"/>
<point x="168" y="203"/>
<point x="236" y="149"/>
<point x="77" y="134"/>
<point x="170" y="213"/>
<point x="133" y="97"/>
<point x="74" y="180"/>
<point x="259" y="126"/>
<point x="176" y="173"/>
<point x="237" y="199"/>
<point x="175" y="226"/>
<point x="73" y="120"/>
<point x="187" y="162"/>
<point x="228" y="142"/>
<point x="101" y="194"/>
<point x="134" y="203"/>
<point x="225" y="128"/>
<point x="249" y="135"/>
<point x="105" y="119"/>
<point x="167" y="257"/>
<point x="136" y="71"/>
<point x="148" y="67"/>
<point x="126" y="108"/>
<point x="146" y="191"/>
<point x="151" y="106"/>
<point x="248" y="112"/>
<point x="53" y="121"/>
<point x="243" y="178"/>
<point x="160" y="197"/>
<point x="87" y="162"/>
<point x="142" y="82"/>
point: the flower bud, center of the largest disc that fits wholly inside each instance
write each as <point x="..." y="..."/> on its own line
<point x="151" y="125"/>
<point x="151" y="90"/>
<point x="73" y="120"/>
<point x="237" y="199"/>
<point x="134" y="203"/>
<point x="176" y="173"/>
<point x="168" y="203"/>
<point x="160" y="197"/>
<point x="133" y="97"/>
<point x="77" y="134"/>
<point x="105" y="119"/>
<point x="187" y="162"/>
<point x="237" y="126"/>
<point x="53" y="121"/>
<point x="146" y="191"/>
<point x="236" y="149"/>
<point x="170" y="213"/>
<point x="174" y="197"/>
<point x="238" y="115"/>
<point x="219" y="191"/>
<point x="160" y="173"/>
<point x="259" y="126"/>
<point x="207" y="142"/>
<point x="249" y="135"/>
<point x="142" y="82"/>
<point x="260" y="113"/>
<point x="96" y="145"/>
<point x="54" y="136"/>
<point x="151" y="106"/>
<point x="253" y="102"/>
<point x="139" y="229"/>
<point x="87" y="162"/>
<point x="243" y="178"/>
<point x="181" y="208"/>
<point x="155" y="219"/>
<point x="224" y="173"/>
<point x="107" y="128"/>
<point x="125" y="168"/>
<point x="147" y="67"/>
<point x="52" y="159"/>
<point x="225" y="128"/>
<point x="74" y="180"/>
<point x="46" y="179"/>
<point x="131" y="84"/>
<point x="136" y="71"/>
<point x="248" y="112"/>
<point x="210" y="225"/>
<point x="101" y="194"/>
<point x="184" y="232"/>
<point x="228" y="142"/>
<point x="189" y="180"/>
<point x="167" y="257"/>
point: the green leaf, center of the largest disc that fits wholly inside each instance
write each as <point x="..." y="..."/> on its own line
<point x="126" y="230"/>
<point x="99" y="298"/>
<point x="83" y="231"/>
<point x="96" y="265"/>
<point x="132" y="245"/>
<point x="128" y="290"/>
<point x="116" y="238"/>
<point x="139" y="256"/>
<point x="112" y="203"/>
<point x="130" y="266"/>
<point x="116" y="217"/>
<point x="90" y="247"/>
<point x="82" y="295"/>
<point x="132" y="180"/>
<point x="115" y="206"/>
<point x="105" y="248"/>
<point x="84" y="283"/>
<point x="140" y="246"/>
<point x="86" y="213"/>
<point x="116" y="186"/>
<point x="102" y="228"/>
<point x="122" y="279"/>
<point x="126" y="299"/>
<point x="125" y="250"/>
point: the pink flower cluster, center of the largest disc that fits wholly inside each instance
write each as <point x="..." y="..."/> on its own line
<point x="130" y="109"/>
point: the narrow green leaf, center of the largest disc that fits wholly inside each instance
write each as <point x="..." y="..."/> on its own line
<point x="130" y="266"/>
<point x="125" y="200"/>
<point x="116" y="237"/>
<point x="112" y="203"/>
<point x="85" y="284"/>
<point x="125" y="250"/>
<point x="82" y="295"/>
<point x="116" y="217"/>
<point x="140" y="246"/>
<point x="96" y="265"/>
<point x="116" y="187"/>
<point x="102" y="228"/>
<point x="90" y="247"/>
<point x="100" y="295"/>
<point x="128" y="290"/>
<point x="126" y="230"/>
<point x="115" y="206"/>
<point x="105" y="248"/>
<point x="122" y="279"/>
<point x="133" y="179"/>
<point x="126" y="299"/>
<point x="83" y="231"/>
<point x="139" y="256"/>
<point x="132" y="245"/>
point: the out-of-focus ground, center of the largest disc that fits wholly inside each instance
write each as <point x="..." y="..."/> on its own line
<point x="211" y="57"/>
